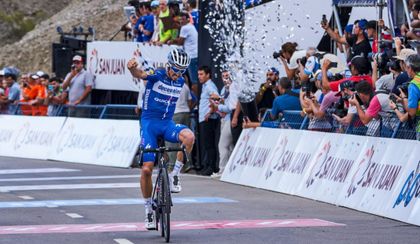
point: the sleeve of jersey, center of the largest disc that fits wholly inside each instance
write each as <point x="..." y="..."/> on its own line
<point x="152" y="78"/>
<point x="150" y="25"/>
<point x="413" y="96"/>
<point x="374" y="107"/>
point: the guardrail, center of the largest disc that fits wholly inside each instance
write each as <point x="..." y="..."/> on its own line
<point x="388" y="126"/>
<point x="110" y="111"/>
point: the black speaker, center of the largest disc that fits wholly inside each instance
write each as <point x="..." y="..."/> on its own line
<point x="62" y="59"/>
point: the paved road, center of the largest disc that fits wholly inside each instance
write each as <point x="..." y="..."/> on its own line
<point x="74" y="203"/>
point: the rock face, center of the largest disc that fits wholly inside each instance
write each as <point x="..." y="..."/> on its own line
<point x="33" y="51"/>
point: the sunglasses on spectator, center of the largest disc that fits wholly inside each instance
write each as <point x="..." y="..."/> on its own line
<point x="178" y="71"/>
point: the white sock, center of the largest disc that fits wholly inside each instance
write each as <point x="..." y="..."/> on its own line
<point x="177" y="168"/>
<point x="148" y="204"/>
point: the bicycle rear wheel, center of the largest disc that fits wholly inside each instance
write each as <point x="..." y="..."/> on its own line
<point x="166" y="203"/>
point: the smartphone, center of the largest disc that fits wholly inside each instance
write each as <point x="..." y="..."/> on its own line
<point x="333" y="65"/>
<point x="73" y="66"/>
<point x="50" y="87"/>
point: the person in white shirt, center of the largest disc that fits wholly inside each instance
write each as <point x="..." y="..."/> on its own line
<point x="188" y="38"/>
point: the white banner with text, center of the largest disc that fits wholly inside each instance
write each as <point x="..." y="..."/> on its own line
<point x="107" y="62"/>
<point x="375" y="175"/>
<point x="101" y="142"/>
<point x="27" y="136"/>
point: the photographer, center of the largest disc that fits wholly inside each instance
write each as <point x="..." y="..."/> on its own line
<point x="377" y="108"/>
<point x="360" y="69"/>
<point x="345" y="112"/>
<point x="289" y="56"/>
<point x="403" y="77"/>
<point x="55" y="96"/>
<point x="310" y="105"/>
<point x="412" y="102"/>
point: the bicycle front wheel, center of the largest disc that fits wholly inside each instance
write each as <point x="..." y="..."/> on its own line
<point x="166" y="203"/>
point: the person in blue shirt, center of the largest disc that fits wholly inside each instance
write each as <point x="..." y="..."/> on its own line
<point x="145" y="24"/>
<point x="195" y="14"/>
<point x="162" y="92"/>
<point x="288" y="99"/>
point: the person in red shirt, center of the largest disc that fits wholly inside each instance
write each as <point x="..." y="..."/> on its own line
<point x="360" y="69"/>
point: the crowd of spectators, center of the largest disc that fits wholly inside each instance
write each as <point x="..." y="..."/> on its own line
<point x="38" y="94"/>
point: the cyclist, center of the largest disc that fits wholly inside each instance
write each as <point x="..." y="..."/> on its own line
<point x="162" y="92"/>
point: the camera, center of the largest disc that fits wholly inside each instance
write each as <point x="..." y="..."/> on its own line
<point x="278" y="54"/>
<point x="73" y="66"/>
<point x="339" y="108"/>
<point x="333" y="65"/>
<point x="307" y="89"/>
<point x="393" y="98"/>
<point x="302" y="60"/>
<point x="358" y="98"/>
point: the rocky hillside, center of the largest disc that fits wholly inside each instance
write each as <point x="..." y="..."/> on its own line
<point x="34" y="50"/>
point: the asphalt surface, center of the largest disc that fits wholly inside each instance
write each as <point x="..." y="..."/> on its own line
<point x="236" y="204"/>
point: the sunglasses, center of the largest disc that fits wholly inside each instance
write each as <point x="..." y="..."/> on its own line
<point x="178" y="71"/>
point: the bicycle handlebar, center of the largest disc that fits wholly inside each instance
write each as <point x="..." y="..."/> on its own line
<point x="163" y="149"/>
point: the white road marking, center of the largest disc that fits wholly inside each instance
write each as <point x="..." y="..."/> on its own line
<point x="74" y="215"/>
<point x="123" y="241"/>
<point x="71" y="178"/>
<point x="38" y="170"/>
<point x="68" y="187"/>
<point x="26" y="197"/>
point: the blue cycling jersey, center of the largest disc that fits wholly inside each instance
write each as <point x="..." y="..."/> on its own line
<point x="161" y="95"/>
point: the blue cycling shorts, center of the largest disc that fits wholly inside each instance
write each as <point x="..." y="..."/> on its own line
<point x="152" y="129"/>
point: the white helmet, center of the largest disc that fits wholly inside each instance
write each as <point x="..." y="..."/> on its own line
<point x="179" y="59"/>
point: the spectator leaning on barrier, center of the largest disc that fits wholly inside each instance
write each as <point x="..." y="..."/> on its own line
<point x="12" y="96"/>
<point x="288" y="99"/>
<point x="209" y="122"/>
<point x="79" y="82"/>
<point x="377" y="107"/>
<point x="348" y="111"/>
<point x="188" y="38"/>
<point x="412" y="102"/>
<point x="55" y="96"/>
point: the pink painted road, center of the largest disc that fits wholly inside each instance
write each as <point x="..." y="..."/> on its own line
<point x="183" y="225"/>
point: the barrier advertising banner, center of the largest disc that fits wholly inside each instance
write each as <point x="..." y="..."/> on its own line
<point x="375" y="175"/>
<point x="107" y="62"/>
<point x="101" y="142"/>
<point x="28" y="137"/>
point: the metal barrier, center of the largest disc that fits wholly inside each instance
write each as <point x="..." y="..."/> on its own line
<point x="388" y="125"/>
<point x="119" y="112"/>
